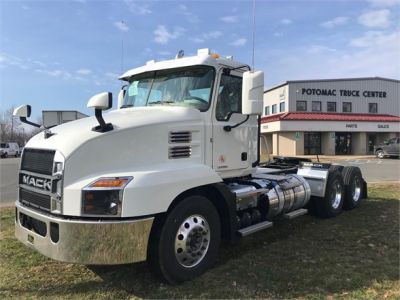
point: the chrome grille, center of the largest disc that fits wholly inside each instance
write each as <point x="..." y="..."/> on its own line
<point x="34" y="199"/>
<point x="180" y="152"/>
<point x="180" y="137"/>
<point x="38" y="161"/>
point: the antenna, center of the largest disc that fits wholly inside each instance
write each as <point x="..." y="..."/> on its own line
<point x="254" y="26"/>
<point x="122" y="48"/>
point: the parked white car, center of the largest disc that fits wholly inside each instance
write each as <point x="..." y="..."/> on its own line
<point x="9" y="149"/>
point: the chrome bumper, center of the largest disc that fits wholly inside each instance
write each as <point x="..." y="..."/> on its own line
<point x="83" y="241"/>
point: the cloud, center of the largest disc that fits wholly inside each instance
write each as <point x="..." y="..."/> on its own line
<point x="338" y="21"/>
<point x="83" y="71"/>
<point x="14" y="61"/>
<point x="239" y="42"/>
<point x="278" y="34"/>
<point x="376" y="38"/>
<point x="55" y="73"/>
<point x="163" y="36"/>
<point x="189" y="16"/>
<point x="319" y="49"/>
<point x="230" y="19"/>
<point x="138" y="8"/>
<point x="384" y="3"/>
<point x="121" y="25"/>
<point x="207" y="36"/>
<point x="371" y="54"/>
<point x="286" y="22"/>
<point x="375" y="18"/>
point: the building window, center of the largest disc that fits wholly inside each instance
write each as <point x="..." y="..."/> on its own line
<point x="266" y="110"/>
<point x="282" y="107"/>
<point x="301" y="105"/>
<point x="331" y="107"/>
<point x="274" y="109"/>
<point x="347" y="107"/>
<point x="316" y="106"/>
<point x="373" y="108"/>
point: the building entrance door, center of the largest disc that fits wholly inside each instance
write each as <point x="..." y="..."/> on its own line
<point x="312" y="143"/>
<point x="343" y="143"/>
<point x="371" y="142"/>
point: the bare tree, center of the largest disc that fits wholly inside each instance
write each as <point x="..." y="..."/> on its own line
<point x="12" y="130"/>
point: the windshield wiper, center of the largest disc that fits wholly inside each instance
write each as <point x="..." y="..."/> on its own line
<point x="161" y="102"/>
<point x="126" y="105"/>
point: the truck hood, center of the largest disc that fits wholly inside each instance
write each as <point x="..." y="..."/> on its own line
<point x="68" y="137"/>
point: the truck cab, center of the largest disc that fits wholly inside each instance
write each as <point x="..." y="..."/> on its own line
<point x="168" y="174"/>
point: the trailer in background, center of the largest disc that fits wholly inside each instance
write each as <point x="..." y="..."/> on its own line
<point x="53" y="118"/>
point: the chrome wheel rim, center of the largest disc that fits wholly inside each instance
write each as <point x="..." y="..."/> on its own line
<point x="192" y="241"/>
<point x="380" y="154"/>
<point x="356" y="189"/>
<point x="336" y="195"/>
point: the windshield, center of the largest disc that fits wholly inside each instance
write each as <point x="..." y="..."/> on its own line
<point x="3" y="145"/>
<point x="189" y="87"/>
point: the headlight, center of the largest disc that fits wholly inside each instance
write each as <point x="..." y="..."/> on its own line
<point x="103" y="197"/>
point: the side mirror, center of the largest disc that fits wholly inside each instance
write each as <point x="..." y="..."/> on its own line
<point x="23" y="112"/>
<point x="253" y="93"/>
<point x="100" y="102"/>
<point x="121" y="97"/>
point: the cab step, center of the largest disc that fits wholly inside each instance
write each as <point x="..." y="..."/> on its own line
<point x="254" y="228"/>
<point x="295" y="213"/>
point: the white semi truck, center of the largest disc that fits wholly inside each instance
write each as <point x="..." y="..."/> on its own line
<point x="167" y="175"/>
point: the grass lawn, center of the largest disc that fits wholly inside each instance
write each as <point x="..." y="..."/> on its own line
<point x="355" y="255"/>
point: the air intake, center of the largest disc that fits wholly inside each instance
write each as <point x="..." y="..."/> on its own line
<point x="180" y="152"/>
<point x="180" y="137"/>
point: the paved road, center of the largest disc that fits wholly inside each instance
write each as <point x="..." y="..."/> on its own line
<point x="373" y="170"/>
<point x="8" y="179"/>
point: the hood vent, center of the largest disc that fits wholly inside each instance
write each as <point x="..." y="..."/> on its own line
<point x="180" y="137"/>
<point x="180" y="152"/>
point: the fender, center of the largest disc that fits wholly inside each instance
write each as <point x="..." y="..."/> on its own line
<point x="152" y="192"/>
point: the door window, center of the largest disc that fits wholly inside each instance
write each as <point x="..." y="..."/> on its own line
<point x="229" y="97"/>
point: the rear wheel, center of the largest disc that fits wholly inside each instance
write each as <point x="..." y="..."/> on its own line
<point x="379" y="154"/>
<point x="353" y="187"/>
<point x="187" y="242"/>
<point x="331" y="204"/>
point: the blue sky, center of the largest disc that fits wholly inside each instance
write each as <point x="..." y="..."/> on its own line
<point x="57" y="54"/>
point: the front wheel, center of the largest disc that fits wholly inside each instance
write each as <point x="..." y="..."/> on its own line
<point x="380" y="154"/>
<point x="187" y="242"/>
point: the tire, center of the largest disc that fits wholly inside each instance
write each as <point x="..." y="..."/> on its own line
<point x="380" y="154"/>
<point x="5" y="155"/>
<point x="331" y="204"/>
<point x="186" y="244"/>
<point x="353" y="187"/>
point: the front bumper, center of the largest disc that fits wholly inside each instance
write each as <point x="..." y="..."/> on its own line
<point x="83" y="241"/>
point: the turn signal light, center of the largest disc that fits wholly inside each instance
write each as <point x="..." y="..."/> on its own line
<point x="110" y="182"/>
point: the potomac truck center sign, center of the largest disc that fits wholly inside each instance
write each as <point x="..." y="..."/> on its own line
<point x="344" y="93"/>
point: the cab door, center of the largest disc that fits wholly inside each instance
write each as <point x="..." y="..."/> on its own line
<point x="234" y="151"/>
